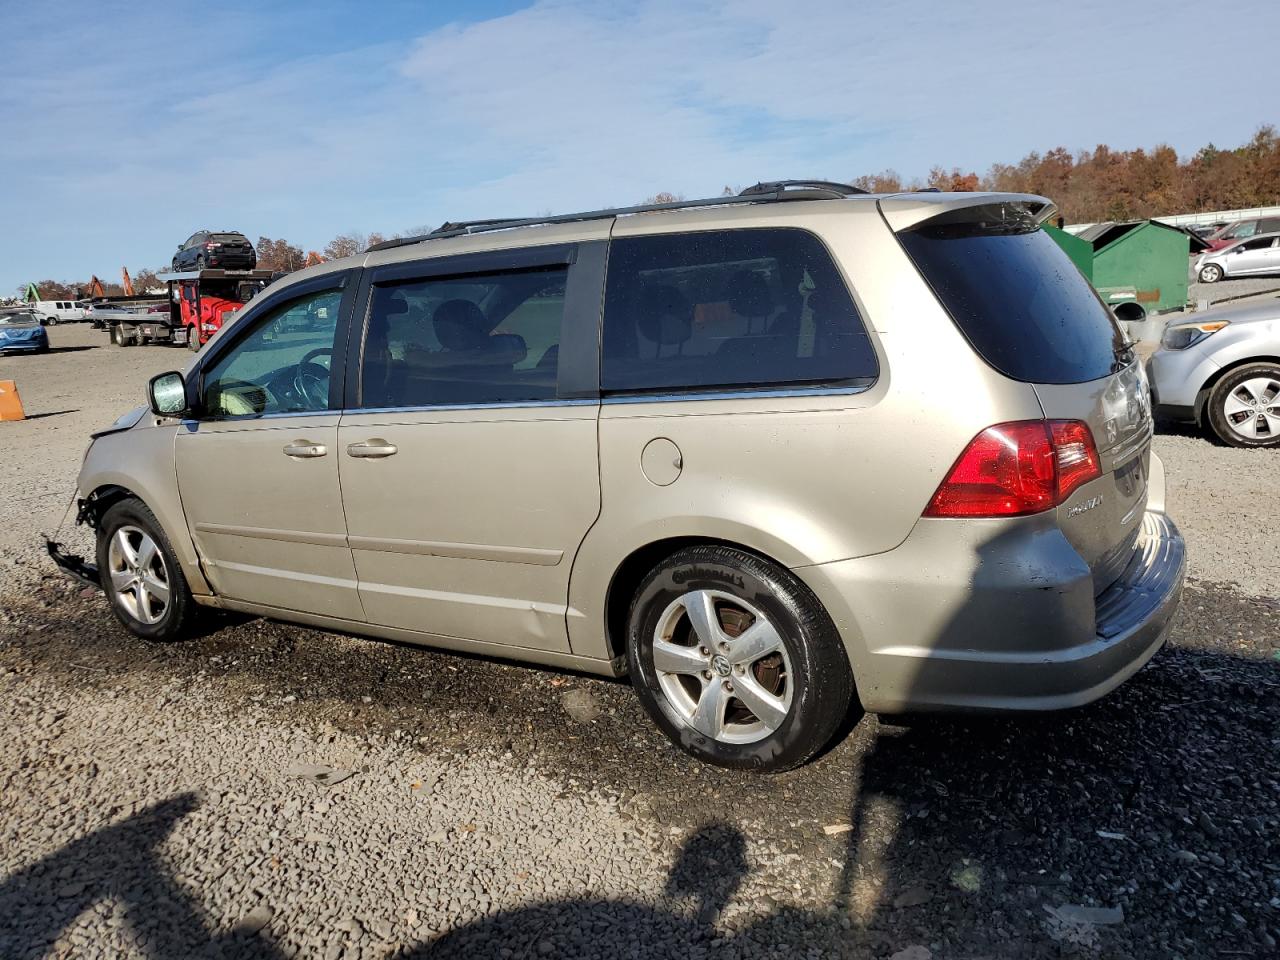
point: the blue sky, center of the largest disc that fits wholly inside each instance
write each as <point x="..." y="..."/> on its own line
<point x="124" y="127"/>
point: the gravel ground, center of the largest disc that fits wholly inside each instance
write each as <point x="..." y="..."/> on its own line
<point x="81" y="385"/>
<point x="1230" y="289"/>
<point x="150" y="808"/>
<point x="156" y="801"/>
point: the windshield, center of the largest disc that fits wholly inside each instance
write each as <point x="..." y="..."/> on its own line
<point x="17" y="319"/>
<point x="1016" y="296"/>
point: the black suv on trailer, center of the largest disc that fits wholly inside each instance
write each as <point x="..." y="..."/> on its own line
<point x="225" y="249"/>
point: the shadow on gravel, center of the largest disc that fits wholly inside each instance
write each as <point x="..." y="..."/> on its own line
<point x="1155" y="810"/>
<point x="119" y="863"/>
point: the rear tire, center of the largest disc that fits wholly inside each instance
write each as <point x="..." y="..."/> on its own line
<point x="140" y="574"/>
<point x="1244" y="406"/>
<point x="768" y="684"/>
<point x="1210" y="273"/>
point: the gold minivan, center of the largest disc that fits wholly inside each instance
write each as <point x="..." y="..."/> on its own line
<point x="773" y="455"/>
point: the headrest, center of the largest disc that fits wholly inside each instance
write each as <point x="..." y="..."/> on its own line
<point x="460" y="325"/>
<point x="665" y="316"/>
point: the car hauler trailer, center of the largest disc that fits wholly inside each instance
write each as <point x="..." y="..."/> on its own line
<point x="195" y="308"/>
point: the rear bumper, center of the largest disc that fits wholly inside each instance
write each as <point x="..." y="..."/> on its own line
<point x="994" y="618"/>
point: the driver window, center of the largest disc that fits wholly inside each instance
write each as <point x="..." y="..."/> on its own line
<point x="281" y="366"/>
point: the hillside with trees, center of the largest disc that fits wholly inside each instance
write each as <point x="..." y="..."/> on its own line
<point x="1106" y="184"/>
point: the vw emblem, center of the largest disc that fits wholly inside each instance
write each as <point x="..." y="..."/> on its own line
<point x="720" y="664"/>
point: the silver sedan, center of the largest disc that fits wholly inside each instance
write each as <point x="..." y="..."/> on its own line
<point x="1220" y="370"/>
<point x="1245" y="258"/>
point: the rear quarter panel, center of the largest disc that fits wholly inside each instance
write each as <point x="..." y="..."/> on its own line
<point x="805" y="479"/>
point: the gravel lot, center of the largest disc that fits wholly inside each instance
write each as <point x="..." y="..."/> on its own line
<point x="155" y="801"/>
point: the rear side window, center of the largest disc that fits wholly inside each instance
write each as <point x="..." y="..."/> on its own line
<point x="1015" y="295"/>
<point x="491" y="338"/>
<point x="729" y="308"/>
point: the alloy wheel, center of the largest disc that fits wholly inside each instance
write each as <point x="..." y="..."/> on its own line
<point x="1252" y="408"/>
<point x="139" y="577"/>
<point x="722" y="666"/>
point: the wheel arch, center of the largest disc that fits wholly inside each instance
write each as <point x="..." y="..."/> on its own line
<point x="633" y="568"/>
<point x="1202" y="395"/>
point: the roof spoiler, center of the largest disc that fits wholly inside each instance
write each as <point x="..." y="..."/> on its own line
<point x="903" y="211"/>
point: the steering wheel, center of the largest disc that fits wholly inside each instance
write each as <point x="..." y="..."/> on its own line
<point x="311" y="380"/>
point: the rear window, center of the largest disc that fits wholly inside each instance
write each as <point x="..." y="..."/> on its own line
<point x="1015" y="295"/>
<point x="228" y="237"/>
<point x="730" y="308"/>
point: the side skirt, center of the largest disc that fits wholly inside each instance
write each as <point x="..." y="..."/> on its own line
<point x="551" y="658"/>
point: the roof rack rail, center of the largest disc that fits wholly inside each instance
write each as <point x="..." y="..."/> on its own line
<point x="765" y="192"/>
<point x="802" y="189"/>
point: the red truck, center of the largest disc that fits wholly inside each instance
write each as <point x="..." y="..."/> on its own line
<point x="202" y="299"/>
<point x="194" y="309"/>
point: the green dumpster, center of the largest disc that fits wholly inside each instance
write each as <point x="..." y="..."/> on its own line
<point x="1080" y="251"/>
<point x="1138" y="268"/>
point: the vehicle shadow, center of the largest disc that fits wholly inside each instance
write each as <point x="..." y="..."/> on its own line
<point x="76" y="349"/>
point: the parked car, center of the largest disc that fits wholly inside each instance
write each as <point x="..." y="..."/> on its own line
<point x="57" y="311"/>
<point x="227" y="250"/>
<point x="1220" y="371"/>
<point x="1242" y="230"/>
<point x="22" y="331"/>
<point x="762" y="453"/>
<point x="1244" y="258"/>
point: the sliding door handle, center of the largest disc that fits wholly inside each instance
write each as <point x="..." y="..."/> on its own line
<point x="371" y="449"/>
<point x="304" y="450"/>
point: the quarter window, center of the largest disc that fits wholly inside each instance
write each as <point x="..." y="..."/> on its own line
<point x="492" y="338"/>
<point x="281" y="366"/>
<point x="729" y="309"/>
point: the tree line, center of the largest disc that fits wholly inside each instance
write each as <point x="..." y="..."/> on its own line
<point x="1105" y="184"/>
<point x="1087" y="186"/>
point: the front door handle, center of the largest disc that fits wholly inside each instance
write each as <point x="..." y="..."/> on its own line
<point x="371" y="449"/>
<point x="304" y="450"/>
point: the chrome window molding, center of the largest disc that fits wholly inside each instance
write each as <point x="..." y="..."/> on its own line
<point x="496" y="405"/>
<point x="685" y="396"/>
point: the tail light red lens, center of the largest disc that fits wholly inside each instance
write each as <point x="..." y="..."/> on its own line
<point x="1014" y="469"/>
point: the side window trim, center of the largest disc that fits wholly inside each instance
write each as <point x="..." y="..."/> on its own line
<point x="579" y="377"/>
<point x="345" y="280"/>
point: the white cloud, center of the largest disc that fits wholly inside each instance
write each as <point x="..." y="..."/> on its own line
<point x="568" y="104"/>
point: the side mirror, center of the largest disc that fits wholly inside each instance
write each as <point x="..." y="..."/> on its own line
<point x="167" y="394"/>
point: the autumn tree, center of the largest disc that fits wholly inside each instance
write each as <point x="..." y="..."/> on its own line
<point x="279" y="255"/>
<point x="886" y="181"/>
<point x="345" y="245"/>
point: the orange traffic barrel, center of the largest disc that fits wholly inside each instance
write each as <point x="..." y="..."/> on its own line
<point x="10" y="402"/>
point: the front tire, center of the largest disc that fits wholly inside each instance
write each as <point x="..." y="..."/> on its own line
<point x="1244" y="406"/>
<point x="736" y="661"/>
<point x="140" y="574"/>
<point x="1210" y="273"/>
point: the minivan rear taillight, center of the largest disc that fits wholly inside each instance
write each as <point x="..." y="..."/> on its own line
<point x="1013" y="469"/>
